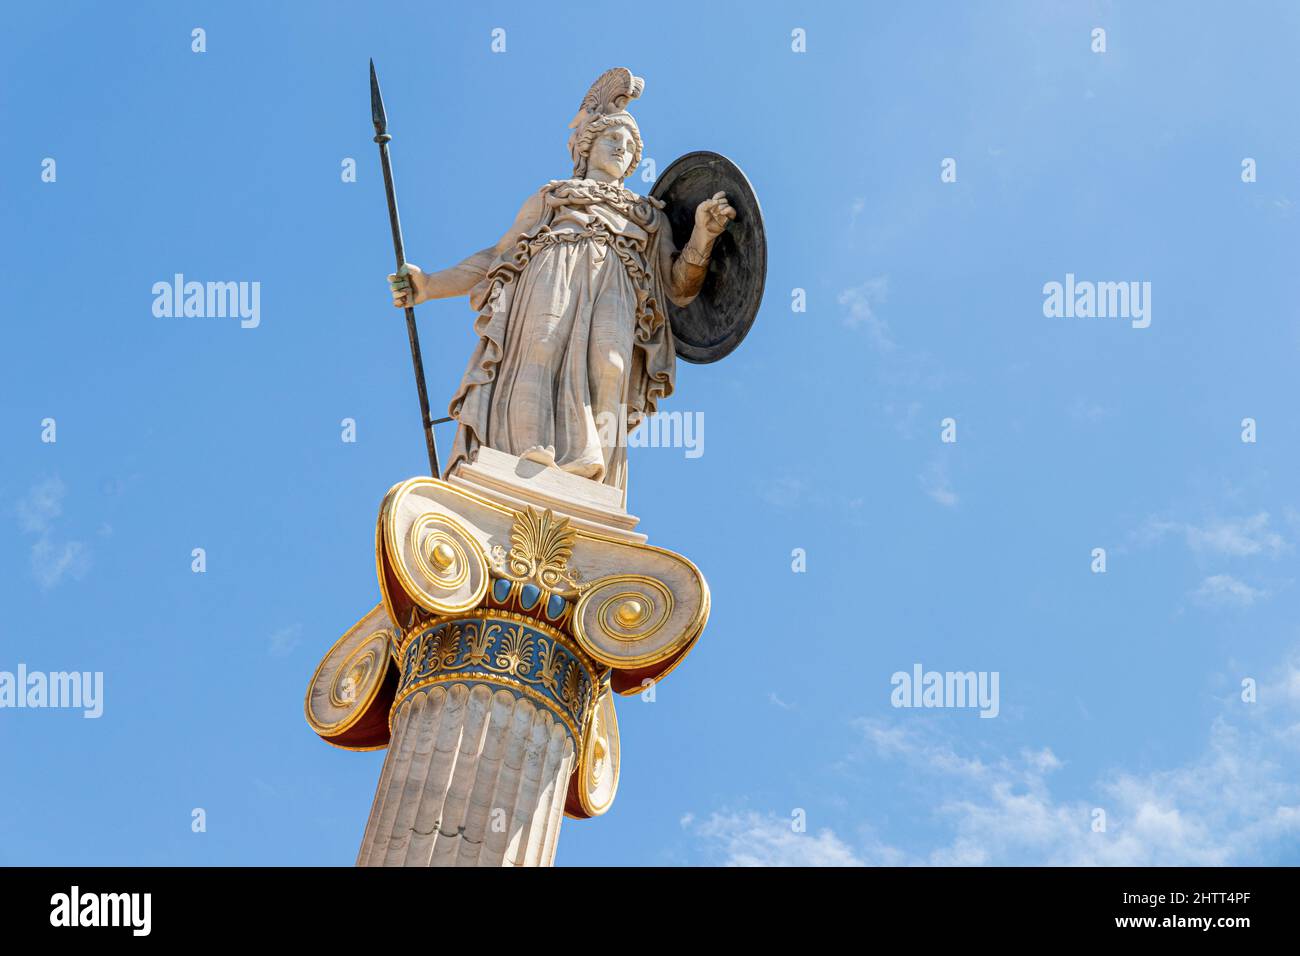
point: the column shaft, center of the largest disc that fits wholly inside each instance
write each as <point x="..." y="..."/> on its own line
<point x="475" y="775"/>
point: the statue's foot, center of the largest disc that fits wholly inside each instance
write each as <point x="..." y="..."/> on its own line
<point x="594" y="470"/>
<point x="542" y="454"/>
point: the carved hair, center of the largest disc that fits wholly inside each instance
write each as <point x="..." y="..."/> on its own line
<point x="591" y="131"/>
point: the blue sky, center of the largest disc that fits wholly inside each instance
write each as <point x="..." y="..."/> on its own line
<point x="1119" y="691"/>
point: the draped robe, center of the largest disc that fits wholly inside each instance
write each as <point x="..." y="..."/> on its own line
<point x="575" y="347"/>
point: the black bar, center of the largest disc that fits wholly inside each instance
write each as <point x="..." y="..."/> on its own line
<point x="394" y="908"/>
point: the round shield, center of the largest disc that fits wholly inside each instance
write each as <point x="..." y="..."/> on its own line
<point x="720" y="316"/>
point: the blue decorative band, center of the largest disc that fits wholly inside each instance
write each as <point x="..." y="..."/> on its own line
<point x="500" y="648"/>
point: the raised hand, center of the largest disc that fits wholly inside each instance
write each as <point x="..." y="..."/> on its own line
<point x="712" y="215"/>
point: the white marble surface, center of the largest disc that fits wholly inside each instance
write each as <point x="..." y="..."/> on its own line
<point x="475" y="776"/>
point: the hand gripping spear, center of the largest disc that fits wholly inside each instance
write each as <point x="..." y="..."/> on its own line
<point x="380" y="119"/>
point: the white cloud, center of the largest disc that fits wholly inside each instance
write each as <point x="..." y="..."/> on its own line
<point x="784" y="492"/>
<point x="747" y="838"/>
<point x="42" y="505"/>
<point x="855" y="210"/>
<point x="1233" y="537"/>
<point x="861" y="302"/>
<point x="1086" y="410"/>
<point x="51" y="560"/>
<point x="1237" y="538"/>
<point x="1237" y="802"/>
<point x="936" y="483"/>
<point x="1223" y="590"/>
<point x="903" y="416"/>
<point x="285" y="640"/>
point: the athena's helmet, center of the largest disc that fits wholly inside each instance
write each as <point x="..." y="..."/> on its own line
<point x="605" y="106"/>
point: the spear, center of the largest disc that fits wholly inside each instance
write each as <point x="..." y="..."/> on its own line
<point x="380" y="119"/>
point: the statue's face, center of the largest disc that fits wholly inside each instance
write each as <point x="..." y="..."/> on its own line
<point x="611" y="152"/>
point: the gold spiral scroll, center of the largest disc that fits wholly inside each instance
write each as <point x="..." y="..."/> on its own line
<point x="622" y="621"/>
<point x="436" y="560"/>
<point x="353" y="686"/>
<point x="595" y="782"/>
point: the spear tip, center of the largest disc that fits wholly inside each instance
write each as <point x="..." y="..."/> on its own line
<point x="377" y="115"/>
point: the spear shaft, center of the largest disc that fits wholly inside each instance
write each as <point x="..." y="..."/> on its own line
<point x="380" y="120"/>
